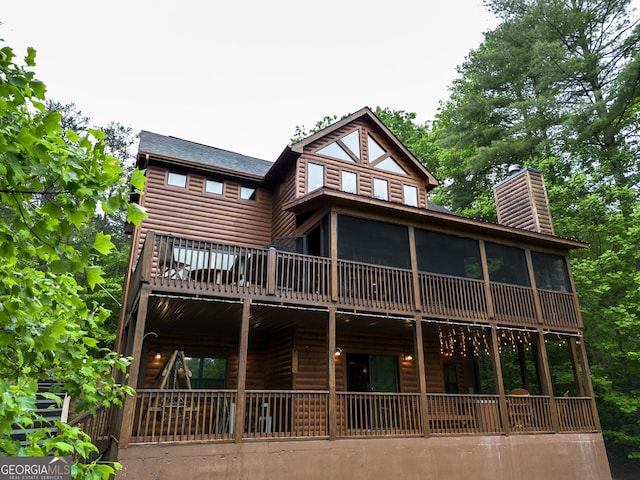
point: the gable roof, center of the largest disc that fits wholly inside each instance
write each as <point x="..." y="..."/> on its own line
<point x="186" y="152"/>
<point x="298" y="148"/>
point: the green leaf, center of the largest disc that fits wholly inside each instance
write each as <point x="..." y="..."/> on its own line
<point x="138" y="179"/>
<point x="94" y="276"/>
<point x="102" y="243"/>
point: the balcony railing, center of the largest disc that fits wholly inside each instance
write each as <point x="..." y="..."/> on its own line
<point x="196" y="415"/>
<point x="198" y="266"/>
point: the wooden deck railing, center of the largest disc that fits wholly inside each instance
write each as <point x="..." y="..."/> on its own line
<point x="464" y="414"/>
<point x="453" y="297"/>
<point x="513" y="304"/>
<point x="378" y="414"/>
<point x="196" y="415"/>
<point x="529" y="414"/>
<point x="374" y="287"/>
<point x="96" y="425"/>
<point x="559" y="309"/>
<point x="200" y="266"/>
<point x="575" y="414"/>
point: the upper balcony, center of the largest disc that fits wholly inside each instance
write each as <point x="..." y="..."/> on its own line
<point x="198" y="267"/>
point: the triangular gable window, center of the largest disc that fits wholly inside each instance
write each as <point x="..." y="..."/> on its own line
<point x="375" y="150"/>
<point x="347" y="148"/>
<point x="390" y="165"/>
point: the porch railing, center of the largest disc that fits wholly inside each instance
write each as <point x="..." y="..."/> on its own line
<point x="195" y="415"/>
<point x="575" y="414"/>
<point x="374" y="287"/>
<point x="453" y="297"/>
<point x="96" y="425"/>
<point x="378" y="414"/>
<point x="199" y="266"/>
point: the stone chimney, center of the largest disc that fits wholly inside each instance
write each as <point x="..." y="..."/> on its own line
<point x="522" y="201"/>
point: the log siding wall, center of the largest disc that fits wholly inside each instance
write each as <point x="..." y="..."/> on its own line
<point x="364" y="171"/>
<point x="192" y="212"/>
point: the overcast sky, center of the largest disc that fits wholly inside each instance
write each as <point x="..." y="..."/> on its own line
<point x="240" y="75"/>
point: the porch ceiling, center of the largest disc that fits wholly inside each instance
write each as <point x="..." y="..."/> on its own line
<point x="178" y="315"/>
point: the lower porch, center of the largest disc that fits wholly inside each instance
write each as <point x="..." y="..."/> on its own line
<point x="163" y="416"/>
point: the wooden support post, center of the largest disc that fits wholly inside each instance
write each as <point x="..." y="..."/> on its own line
<point x="588" y="386"/>
<point x="271" y="271"/>
<point x="128" y="409"/>
<point x="243" y="349"/>
<point x="331" y="342"/>
<point x="534" y="288"/>
<point x="418" y="341"/>
<point x="545" y="374"/>
<point x="487" y="284"/>
<point x="333" y="254"/>
<point x="415" y="278"/>
<point x="497" y="374"/>
<point x="577" y="377"/>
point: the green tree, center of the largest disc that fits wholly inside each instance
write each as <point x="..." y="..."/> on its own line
<point x="52" y="182"/>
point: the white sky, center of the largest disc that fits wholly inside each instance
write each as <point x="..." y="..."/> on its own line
<point x="240" y="75"/>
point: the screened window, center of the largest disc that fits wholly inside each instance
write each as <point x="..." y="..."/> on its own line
<point x="410" y="195"/>
<point x="177" y="180"/>
<point x="248" y="193"/>
<point x="551" y="272"/>
<point x="448" y="254"/>
<point x="208" y="372"/>
<point x="507" y="265"/>
<point x="315" y="176"/>
<point x="368" y="241"/>
<point x="213" y="186"/>
<point x="349" y="182"/>
<point x="380" y="189"/>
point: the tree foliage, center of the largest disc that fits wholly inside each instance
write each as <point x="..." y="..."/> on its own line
<point x="53" y="181"/>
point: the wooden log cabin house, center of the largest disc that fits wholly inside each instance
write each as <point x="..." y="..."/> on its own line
<point x="318" y="316"/>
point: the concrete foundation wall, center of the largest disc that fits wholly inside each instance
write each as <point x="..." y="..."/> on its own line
<point x="527" y="457"/>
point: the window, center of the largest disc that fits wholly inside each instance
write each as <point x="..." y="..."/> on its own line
<point x="550" y="272"/>
<point x="390" y="165"/>
<point x="347" y="148"/>
<point x="380" y="189"/>
<point x="315" y="176"/>
<point x="410" y="195"/>
<point x="208" y="372"/>
<point x="375" y="150"/>
<point x="349" y="182"/>
<point x="213" y="186"/>
<point x="177" y="180"/>
<point x="507" y="265"/>
<point x="248" y="193"/>
<point x="448" y="254"/>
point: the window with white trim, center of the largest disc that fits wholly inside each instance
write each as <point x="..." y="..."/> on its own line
<point x="177" y="180"/>
<point x="380" y="189"/>
<point x="410" y="195"/>
<point x="214" y="186"/>
<point x="315" y="176"/>
<point x="349" y="182"/>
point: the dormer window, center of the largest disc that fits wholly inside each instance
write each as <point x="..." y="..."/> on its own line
<point x="380" y="189"/>
<point x="177" y="180"/>
<point x="315" y="176"/>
